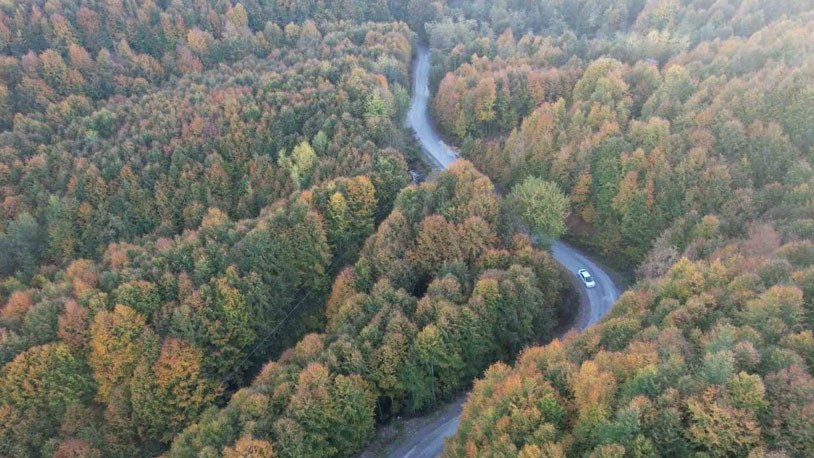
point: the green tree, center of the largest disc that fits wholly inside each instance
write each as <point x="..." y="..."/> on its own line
<point x="224" y="327"/>
<point x="389" y="176"/>
<point x="21" y="246"/>
<point x="36" y="390"/>
<point x="541" y="206"/>
<point x="141" y="296"/>
<point x="335" y="413"/>
<point x="47" y="377"/>
<point x="300" y="164"/>
<point x="60" y="230"/>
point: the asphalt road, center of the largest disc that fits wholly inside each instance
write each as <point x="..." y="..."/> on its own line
<point x="427" y="440"/>
<point x="594" y="302"/>
<point x="418" y="118"/>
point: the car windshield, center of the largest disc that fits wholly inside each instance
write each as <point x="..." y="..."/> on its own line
<point x="586" y="276"/>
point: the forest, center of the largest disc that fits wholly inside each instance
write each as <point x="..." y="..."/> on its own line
<point x="212" y="241"/>
<point x="679" y="130"/>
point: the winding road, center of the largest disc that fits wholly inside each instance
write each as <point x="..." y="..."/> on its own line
<point x="427" y="441"/>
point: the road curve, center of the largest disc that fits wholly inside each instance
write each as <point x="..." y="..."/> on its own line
<point x="594" y="302"/>
<point x="418" y="118"/>
<point x="428" y="441"/>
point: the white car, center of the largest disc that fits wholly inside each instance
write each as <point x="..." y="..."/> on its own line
<point x="586" y="278"/>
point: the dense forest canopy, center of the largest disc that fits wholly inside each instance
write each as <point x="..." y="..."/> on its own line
<point x="648" y="141"/>
<point x="210" y="245"/>
<point x="681" y="131"/>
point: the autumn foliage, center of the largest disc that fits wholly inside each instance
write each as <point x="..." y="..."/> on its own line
<point x="435" y="296"/>
<point x="210" y="244"/>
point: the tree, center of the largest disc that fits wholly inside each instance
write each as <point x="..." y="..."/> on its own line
<point x="198" y="40"/>
<point x="484" y="100"/>
<point x="440" y="358"/>
<point x="320" y="143"/>
<point x="362" y="208"/>
<point x="289" y="250"/>
<point x="511" y="309"/>
<point x="335" y="414"/>
<point x="435" y="245"/>
<point x="719" y="429"/>
<point x="76" y="448"/>
<point x="74" y="326"/>
<point x="170" y="391"/>
<point x="224" y="329"/>
<point x="249" y="447"/>
<point x="21" y="246"/>
<point x="541" y="206"/>
<point x="791" y="400"/>
<point x="777" y="312"/>
<point x="18" y="304"/>
<point x="640" y="225"/>
<point x="141" y="296"/>
<point x="474" y="238"/>
<point x="354" y="411"/>
<point x="118" y="341"/>
<point x="336" y="216"/>
<point x="300" y="164"/>
<point x="60" y="230"/>
<point x="48" y="378"/>
<point x="54" y="70"/>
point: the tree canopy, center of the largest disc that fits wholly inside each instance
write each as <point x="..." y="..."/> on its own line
<point x="211" y="244"/>
<point x="541" y="206"/>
